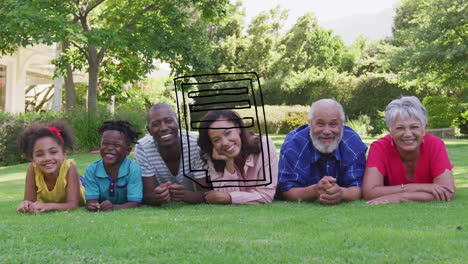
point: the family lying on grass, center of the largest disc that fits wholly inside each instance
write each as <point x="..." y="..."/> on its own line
<point x="324" y="160"/>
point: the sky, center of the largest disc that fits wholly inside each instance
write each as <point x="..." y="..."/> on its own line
<point x="325" y="10"/>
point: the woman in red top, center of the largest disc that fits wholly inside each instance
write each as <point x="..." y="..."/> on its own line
<point x="407" y="165"/>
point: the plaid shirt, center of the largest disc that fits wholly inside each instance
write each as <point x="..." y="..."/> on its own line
<point x="301" y="164"/>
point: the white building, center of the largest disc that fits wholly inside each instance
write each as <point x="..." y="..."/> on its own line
<point x="27" y="66"/>
<point x="32" y="66"/>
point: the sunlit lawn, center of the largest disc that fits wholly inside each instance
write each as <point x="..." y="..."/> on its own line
<point x="280" y="232"/>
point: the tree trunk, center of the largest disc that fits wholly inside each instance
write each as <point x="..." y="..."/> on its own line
<point x="70" y="96"/>
<point x="93" y="79"/>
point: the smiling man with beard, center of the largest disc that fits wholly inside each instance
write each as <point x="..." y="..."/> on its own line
<point x="324" y="160"/>
<point x="160" y="159"/>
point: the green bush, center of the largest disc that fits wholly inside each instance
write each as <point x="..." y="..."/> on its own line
<point x="136" y="116"/>
<point x="11" y="126"/>
<point x="441" y="111"/>
<point x="306" y="87"/>
<point x="4" y="116"/>
<point x="362" y="125"/>
<point x="369" y="95"/>
<point x="84" y="126"/>
<point x="292" y="121"/>
<point x="364" y="95"/>
<point x="9" y="131"/>
<point x="276" y="115"/>
<point x="462" y="122"/>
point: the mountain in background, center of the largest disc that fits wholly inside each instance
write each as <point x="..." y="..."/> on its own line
<point x="372" y="26"/>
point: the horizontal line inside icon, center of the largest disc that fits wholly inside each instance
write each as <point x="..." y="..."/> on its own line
<point x="241" y="104"/>
<point x="218" y="92"/>
<point x="248" y="122"/>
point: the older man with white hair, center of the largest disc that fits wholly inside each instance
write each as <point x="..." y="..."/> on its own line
<point x="323" y="160"/>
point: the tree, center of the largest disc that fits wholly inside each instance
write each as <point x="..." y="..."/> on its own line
<point x="264" y="35"/>
<point x="124" y="36"/>
<point x="235" y="49"/>
<point x="431" y="38"/>
<point x="308" y="45"/>
<point x="228" y="40"/>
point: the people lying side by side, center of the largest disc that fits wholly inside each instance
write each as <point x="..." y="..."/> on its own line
<point x="114" y="182"/>
<point x="324" y="160"/>
<point x="243" y="168"/>
<point x="408" y="164"/>
<point x="52" y="181"/>
<point x="162" y="163"/>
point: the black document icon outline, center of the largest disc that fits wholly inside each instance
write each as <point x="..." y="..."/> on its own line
<point x="181" y="85"/>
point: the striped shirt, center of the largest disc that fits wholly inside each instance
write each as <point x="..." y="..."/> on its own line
<point x="153" y="165"/>
<point x="302" y="165"/>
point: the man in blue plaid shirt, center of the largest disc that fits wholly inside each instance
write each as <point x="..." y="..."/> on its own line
<point x="324" y="160"/>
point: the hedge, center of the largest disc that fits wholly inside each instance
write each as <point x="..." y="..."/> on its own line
<point x="280" y="119"/>
<point x="84" y="127"/>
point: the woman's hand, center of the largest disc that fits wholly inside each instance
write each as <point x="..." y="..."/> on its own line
<point x="387" y="199"/>
<point x="215" y="197"/>
<point x="38" y="207"/>
<point x="229" y="161"/>
<point x="217" y="156"/>
<point x="24" y="206"/>
<point x="440" y="192"/>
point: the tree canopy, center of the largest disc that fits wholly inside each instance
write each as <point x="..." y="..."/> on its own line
<point x="430" y="41"/>
<point x="118" y="37"/>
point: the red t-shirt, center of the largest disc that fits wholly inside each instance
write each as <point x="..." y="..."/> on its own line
<point x="433" y="160"/>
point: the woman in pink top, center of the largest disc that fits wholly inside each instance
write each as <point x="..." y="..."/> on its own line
<point x="407" y="165"/>
<point x="243" y="168"/>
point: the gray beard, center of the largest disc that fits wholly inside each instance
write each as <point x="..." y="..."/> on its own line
<point x="325" y="148"/>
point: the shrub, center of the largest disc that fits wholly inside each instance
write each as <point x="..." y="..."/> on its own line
<point x="362" y="125"/>
<point x="136" y="116"/>
<point x="4" y="116"/>
<point x="379" y="126"/>
<point x="276" y="115"/>
<point x="292" y="121"/>
<point x="85" y="125"/>
<point x="313" y="84"/>
<point x="441" y="111"/>
<point x="370" y="94"/>
<point x="10" y="128"/>
<point x="462" y="122"/>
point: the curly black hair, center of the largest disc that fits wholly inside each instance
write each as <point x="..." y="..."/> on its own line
<point x="31" y="134"/>
<point x="122" y="126"/>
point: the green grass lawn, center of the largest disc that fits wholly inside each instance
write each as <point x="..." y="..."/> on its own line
<point x="281" y="232"/>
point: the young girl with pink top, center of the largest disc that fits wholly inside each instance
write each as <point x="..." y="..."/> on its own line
<point x="52" y="181"/>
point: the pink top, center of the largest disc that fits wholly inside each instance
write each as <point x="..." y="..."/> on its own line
<point x="433" y="160"/>
<point x="244" y="191"/>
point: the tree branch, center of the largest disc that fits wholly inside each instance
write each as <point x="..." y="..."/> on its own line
<point x="80" y="48"/>
<point x="148" y="8"/>
<point x="101" y="53"/>
<point x="82" y="8"/>
<point x="93" y="5"/>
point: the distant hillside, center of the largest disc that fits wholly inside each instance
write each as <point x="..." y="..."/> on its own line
<point x="373" y="26"/>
